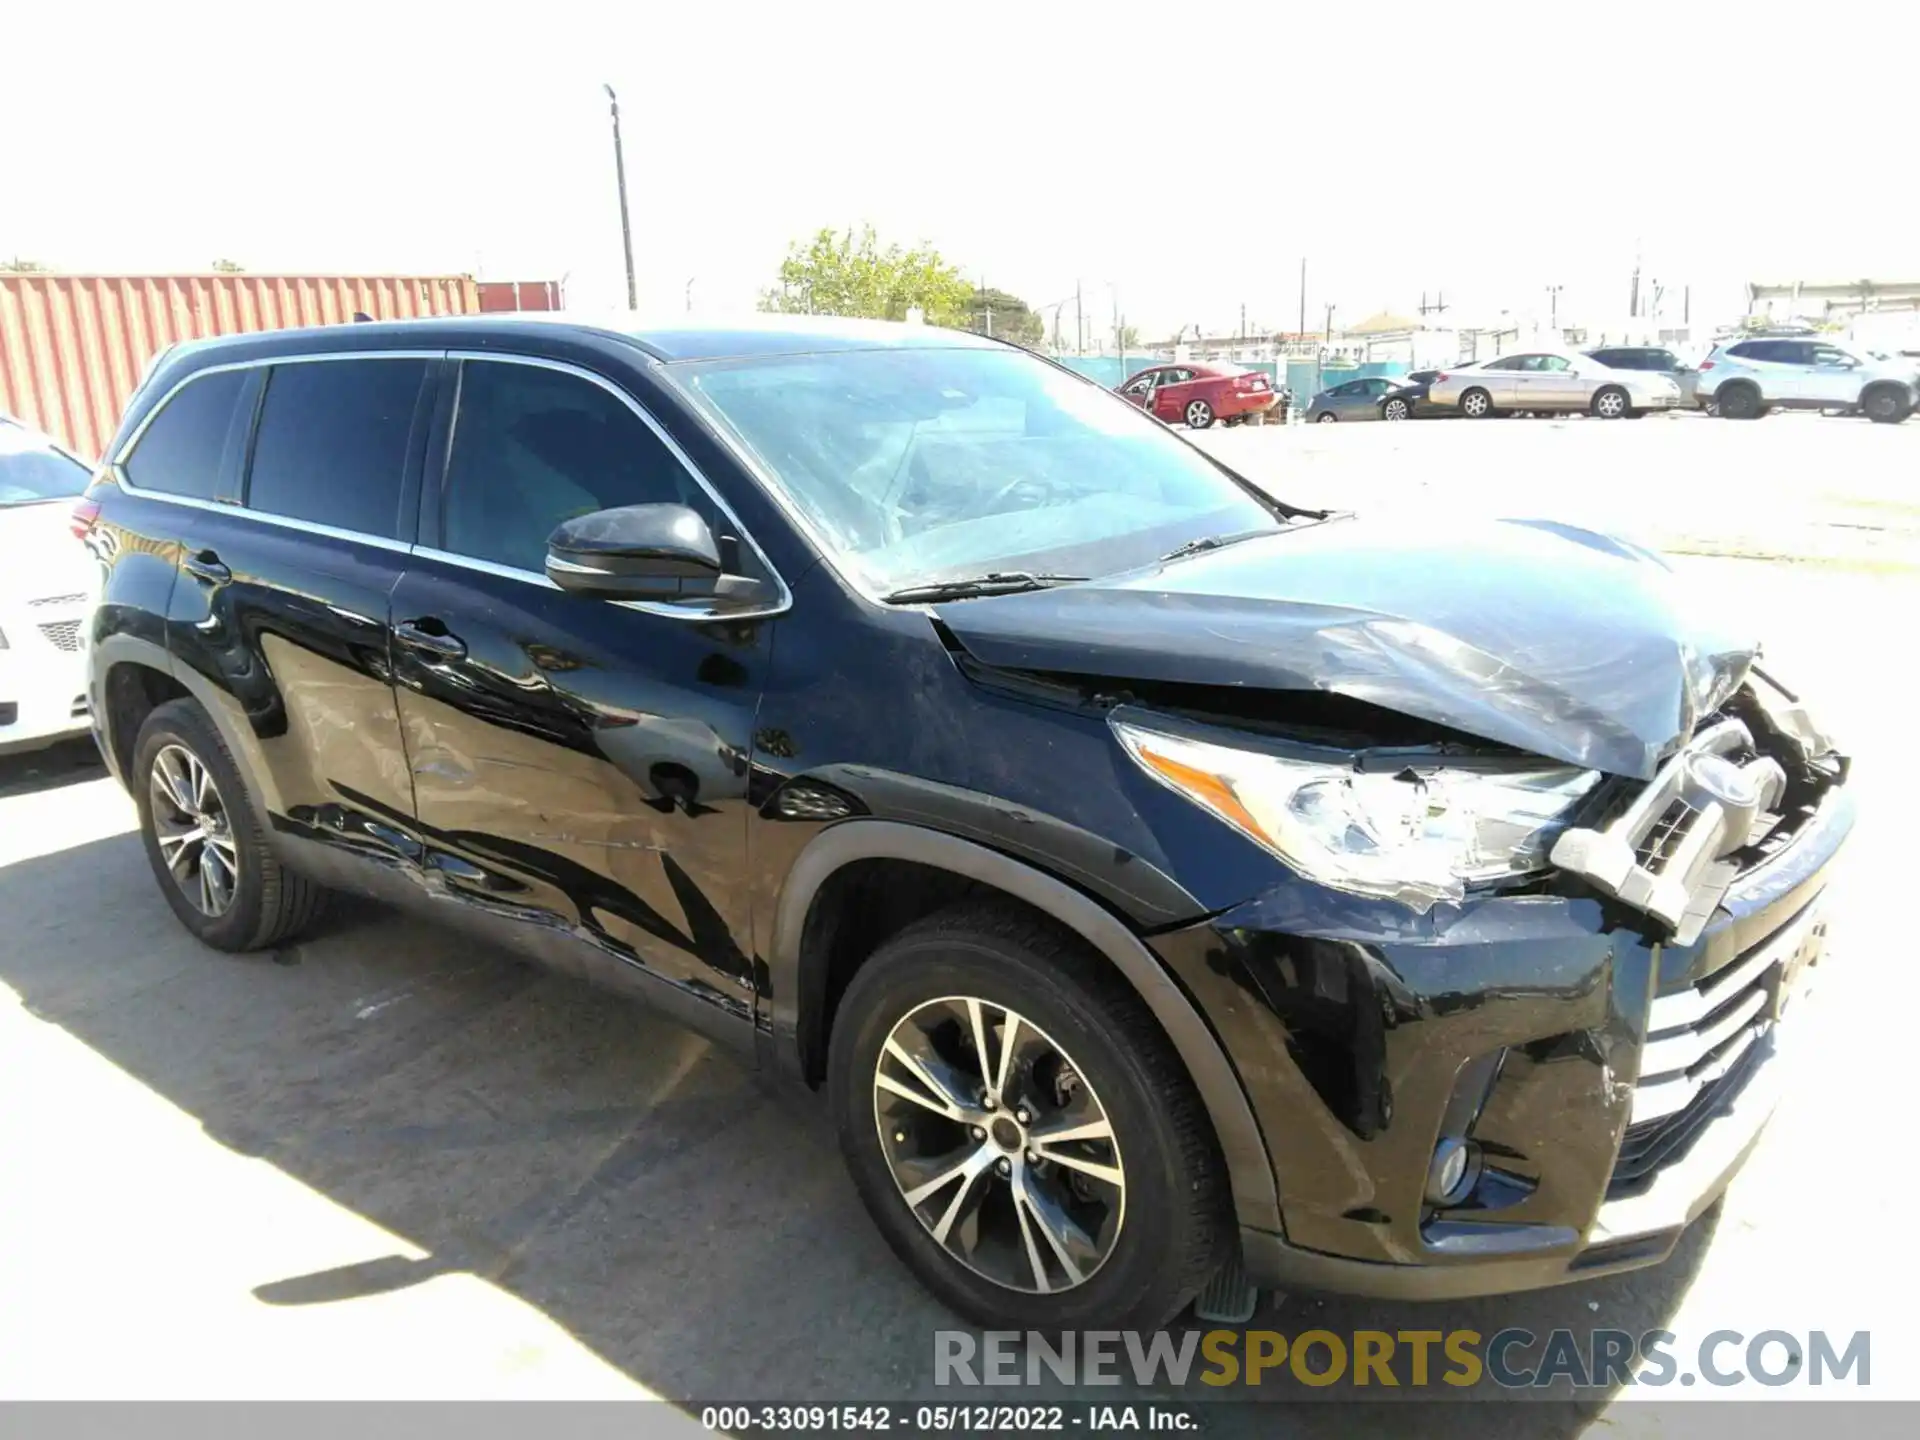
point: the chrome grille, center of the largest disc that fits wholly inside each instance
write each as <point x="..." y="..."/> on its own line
<point x="63" y="635"/>
<point x="1696" y="1037"/>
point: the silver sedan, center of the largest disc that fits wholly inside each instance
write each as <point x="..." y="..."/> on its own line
<point x="1559" y="381"/>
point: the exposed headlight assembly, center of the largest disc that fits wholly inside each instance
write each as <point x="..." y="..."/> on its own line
<point x="1419" y="833"/>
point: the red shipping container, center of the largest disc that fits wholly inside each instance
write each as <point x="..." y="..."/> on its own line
<point x="73" y="347"/>
<point x="520" y="295"/>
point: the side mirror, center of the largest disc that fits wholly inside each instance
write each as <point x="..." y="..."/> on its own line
<point x="636" y="552"/>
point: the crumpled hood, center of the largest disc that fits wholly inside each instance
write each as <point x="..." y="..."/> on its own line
<point x="1553" y="639"/>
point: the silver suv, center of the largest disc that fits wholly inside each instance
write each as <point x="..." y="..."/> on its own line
<point x="1747" y="378"/>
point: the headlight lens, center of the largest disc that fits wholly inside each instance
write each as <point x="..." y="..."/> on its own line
<point x="1418" y="834"/>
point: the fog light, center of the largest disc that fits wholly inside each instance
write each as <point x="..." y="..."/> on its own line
<point x="1456" y="1164"/>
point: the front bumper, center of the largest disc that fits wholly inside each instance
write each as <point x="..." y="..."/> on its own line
<point x="1363" y="1034"/>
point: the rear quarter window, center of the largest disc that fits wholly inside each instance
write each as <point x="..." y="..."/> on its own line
<point x="182" y="448"/>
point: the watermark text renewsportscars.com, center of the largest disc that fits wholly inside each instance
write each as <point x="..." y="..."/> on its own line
<point x="1382" y="1359"/>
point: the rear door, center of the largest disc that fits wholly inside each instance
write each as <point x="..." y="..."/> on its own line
<point x="580" y="766"/>
<point x="282" y="600"/>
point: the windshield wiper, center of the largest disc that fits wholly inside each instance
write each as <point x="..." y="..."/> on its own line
<point x="1212" y="542"/>
<point x="996" y="582"/>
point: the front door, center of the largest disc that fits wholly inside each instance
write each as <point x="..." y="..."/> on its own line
<point x="1171" y="394"/>
<point x="580" y="766"/>
<point x="1833" y="375"/>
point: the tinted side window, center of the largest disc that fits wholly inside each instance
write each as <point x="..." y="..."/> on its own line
<point x="1748" y="350"/>
<point x="181" y="450"/>
<point x="331" y="447"/>
<point x="533" y="447"/>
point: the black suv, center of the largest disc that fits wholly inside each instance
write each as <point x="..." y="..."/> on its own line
<point x="1155" y="877"/>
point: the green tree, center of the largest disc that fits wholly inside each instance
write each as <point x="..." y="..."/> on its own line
<point x="1129" y="338"/>
<point x="19" y="266"/>
<point x="1004" y="316"/>
<point x="849" y="273"/>
<point x="228" y="267"/>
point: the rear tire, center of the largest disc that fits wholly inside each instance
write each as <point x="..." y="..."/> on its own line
<point x="1476" y="404"/>
<point x="1199" y="415"/>
<point x="1739" y="401"/>
<point x="1161" y="1222"/>
<point x="226" y="886"/>
<point x="1325" y="417"/>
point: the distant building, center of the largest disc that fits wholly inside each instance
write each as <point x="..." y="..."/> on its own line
<point x="1831" y="301"/>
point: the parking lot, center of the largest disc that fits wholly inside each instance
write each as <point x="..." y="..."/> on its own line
<point x="382" y="1163"/>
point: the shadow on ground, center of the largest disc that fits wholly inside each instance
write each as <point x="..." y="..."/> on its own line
<point x="613" y="1170"/>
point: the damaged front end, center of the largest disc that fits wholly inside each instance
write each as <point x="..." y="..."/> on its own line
<point x="1485" y="1053"/>
<point x="1674" y="849"/>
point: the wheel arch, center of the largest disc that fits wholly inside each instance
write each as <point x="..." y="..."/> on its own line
<point x="799" y="975"/>
<point x="135" y="677"/>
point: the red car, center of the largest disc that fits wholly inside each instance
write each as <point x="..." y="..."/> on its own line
<point x="1197" y="395"/>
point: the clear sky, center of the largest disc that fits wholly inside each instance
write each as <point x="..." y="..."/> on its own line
<point x="1183" y="156"/>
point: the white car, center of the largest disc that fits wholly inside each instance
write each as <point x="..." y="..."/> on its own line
<point x="47" y="584"/>
<point x="1551" y="380"/>
<point x="1744" y="379"/>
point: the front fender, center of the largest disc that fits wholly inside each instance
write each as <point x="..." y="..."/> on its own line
<point x="796" y="996"/>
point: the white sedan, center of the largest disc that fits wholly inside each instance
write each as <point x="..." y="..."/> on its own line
<point x="47" y="581"/>
<point x="1551" y="381"/>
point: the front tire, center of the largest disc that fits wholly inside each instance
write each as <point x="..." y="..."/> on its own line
<point x="1476" y="404"/>
<point x="1020" y="1129"/>
<point x="1199" y="415"/>
<point x="1610" y="402"/>
<point x="1325" y="417"/>
<point x="1885" y="406"/>
<point x="203" y="837"/>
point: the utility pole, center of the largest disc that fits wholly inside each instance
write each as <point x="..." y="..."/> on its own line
<point x="1686" y="305"/>
<point x="1303" y="295"/>
<point x="1633" y="301"/>
<point x="1329" y="335"/>
<point x="620" y="172"/>
<point x="1079" y="321"/>
<point x="1243" y="322"/>
<point x="1439" y="305"/>
<point x="690" y="280"/>
<point x="986" y="306"/>
<point x="1553" y="297"/>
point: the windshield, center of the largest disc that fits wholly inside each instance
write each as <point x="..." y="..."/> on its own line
<point x="32" y="468"/>
<point x="923" y="465"/>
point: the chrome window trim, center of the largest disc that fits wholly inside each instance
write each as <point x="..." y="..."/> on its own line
<point x="783" y="596"/>
<point x="121" y="455"/>
<point x="780" y="604"/>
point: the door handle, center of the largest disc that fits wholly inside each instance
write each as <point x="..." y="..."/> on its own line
<point x="205" y="565"/>
<point x="436" y="641"/>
